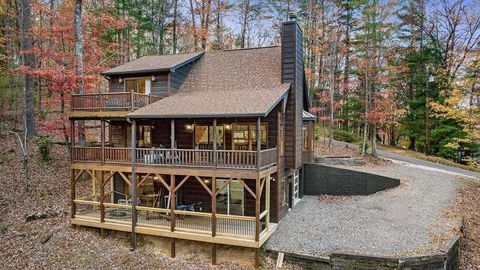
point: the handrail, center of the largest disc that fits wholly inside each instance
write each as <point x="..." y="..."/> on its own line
<point x="231" y="159"/>
<point x="111" y="101"/>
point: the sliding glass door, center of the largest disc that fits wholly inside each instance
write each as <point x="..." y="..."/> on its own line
<point x="230" y="201"/>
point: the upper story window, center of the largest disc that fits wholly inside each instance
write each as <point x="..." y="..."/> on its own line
<point x="138" y="85"/>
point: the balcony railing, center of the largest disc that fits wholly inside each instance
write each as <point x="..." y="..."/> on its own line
<point x="232" y="159"/>
<point x="121" y="101"/>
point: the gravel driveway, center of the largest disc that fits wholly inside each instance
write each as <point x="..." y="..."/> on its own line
<point x="404" y="220"/>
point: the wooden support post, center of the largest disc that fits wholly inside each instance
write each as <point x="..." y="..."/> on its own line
<point x="102" y="200"/>
<point x="172" y="247"/>
<point x="132" y="100"/>
<point x="72" y="194"/>
<point x="72" y="138"/>
<point x="133" y="187"/>
<point x="259" y="144"/>
<point x="310" y="141"/>
<point x="257" y="209"/>
<point x="267" y="200"/>
<point x="172" y="141"/>
<point x="257" y="258"/>
<point x="214" y="254"/>
<point x="172" y="202"/>
<point x="214" y="206"/>
<point x="215" y="143"/>
<point x="102" y="140"/>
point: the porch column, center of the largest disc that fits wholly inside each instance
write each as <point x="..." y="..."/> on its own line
<point x="133" y="187"/>
<point x="172" y="140"/>
<point x="257" y="217"/>
<point x="73" y="209"/>
<point x="102" y="200"/>
<point x="214" y="217"/>
<point x="72" y="138"/>
<point x="172" y="214"/>
<point x="259" y="144"/>
<point x="102" y="139"/>
<point x="267" y="200"/>
<point x="257" y="209"/>
<point x="215" y="142"/>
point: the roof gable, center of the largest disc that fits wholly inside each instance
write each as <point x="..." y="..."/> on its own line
<point x="154" y="63"/>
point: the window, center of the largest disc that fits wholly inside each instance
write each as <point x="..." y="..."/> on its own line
<point x="144" y="136"/>
<point x="245" y="136"/>
<point x="204" y="137"/>
<point x="138" y="85"/>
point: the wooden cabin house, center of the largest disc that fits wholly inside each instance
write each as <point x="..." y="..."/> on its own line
<point x="225" y="132"/>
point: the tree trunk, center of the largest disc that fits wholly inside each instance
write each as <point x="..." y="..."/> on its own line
<point x="79" y="62"/>
<point x="245" y="22"/>
<point x="174" y="30"/>
<point x="26" y="43"/>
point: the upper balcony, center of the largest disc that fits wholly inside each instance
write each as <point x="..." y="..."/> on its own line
<point x="156" y="158"/>
<point x="115" y="104"/>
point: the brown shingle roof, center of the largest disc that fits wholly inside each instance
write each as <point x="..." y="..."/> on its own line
<point x="153" y="63"/>
<point x="244" y="82"/>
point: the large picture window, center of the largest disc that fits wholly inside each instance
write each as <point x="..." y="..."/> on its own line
<point x="204" y="137"/>
<point x="245" y="136"/>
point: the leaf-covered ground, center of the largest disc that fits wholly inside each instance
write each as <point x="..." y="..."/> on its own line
<point x="79" y="248"/>
<point x="467" y="207"/>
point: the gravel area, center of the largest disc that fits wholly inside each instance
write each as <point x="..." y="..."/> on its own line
<point x="405" y="220"/>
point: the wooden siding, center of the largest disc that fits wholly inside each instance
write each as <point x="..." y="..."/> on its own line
<point x="178" y="77"/>
<point x="159" y="86"/>
<point x="292" y="72"/>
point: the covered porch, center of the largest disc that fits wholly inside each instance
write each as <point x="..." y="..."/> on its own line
<point x="229" y="211"/>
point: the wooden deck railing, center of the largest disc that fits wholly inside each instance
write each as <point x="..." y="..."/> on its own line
<point x="232" y="159"/>
<point x="120" y="101"/>
<point x="159" y="218"/>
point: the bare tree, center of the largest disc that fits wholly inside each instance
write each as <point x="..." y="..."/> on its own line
<point x="79" y="62"/>
<point x="26" y="44"/>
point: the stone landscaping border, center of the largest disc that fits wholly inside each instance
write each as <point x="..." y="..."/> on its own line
<point x="446" y="259"/>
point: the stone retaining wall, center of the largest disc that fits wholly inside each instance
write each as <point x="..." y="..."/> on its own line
<point x="447" y="259"/>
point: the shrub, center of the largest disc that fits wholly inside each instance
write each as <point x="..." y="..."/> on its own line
<point x="44" y="144"/>
<point x="345" y="136"/>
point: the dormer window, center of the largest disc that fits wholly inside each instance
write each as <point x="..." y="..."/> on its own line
<point x="138" y="85"/>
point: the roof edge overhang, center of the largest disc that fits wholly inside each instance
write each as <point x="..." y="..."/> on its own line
<point x="144" y="71"/>
<point x="233" y="115"/>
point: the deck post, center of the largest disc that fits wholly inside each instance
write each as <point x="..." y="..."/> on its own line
<point x="257" y="258"/>
<point x="172" y="141"/>
<point x="214" y="254"/>
<point x="132" y="100"/>
<point x="259" y="143"/>
<point x="172" y="247"/>
<point x="215" y="143"/>
<point x="267" y="200"/>
<point x="172" y="202"/>
<point x="72" y="138"/>
<point x="133" y="188"/>
<point x="102" y="140"/>
<point x="72" y="194"/>
<point x="102" y="200"/>
<point x="257" y="209"/>
<point x="214" y="206"/>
